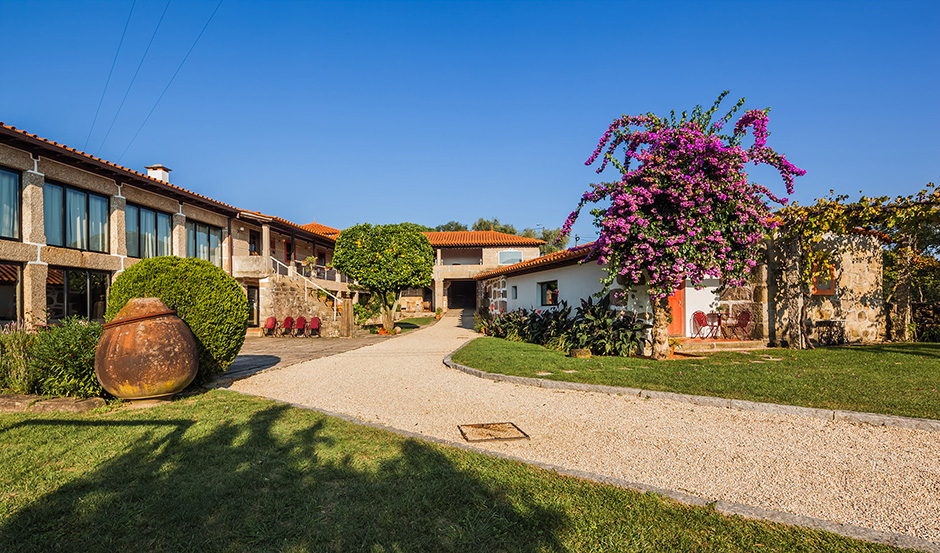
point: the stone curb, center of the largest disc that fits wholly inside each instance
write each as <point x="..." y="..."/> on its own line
<point x="724" y="507"/>
<point x="874" y="419"/>
<point x="16" y="403"/>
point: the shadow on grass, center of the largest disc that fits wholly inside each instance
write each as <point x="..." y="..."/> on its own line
<point x="921" y="349"/>
<point x="257" y="484"/>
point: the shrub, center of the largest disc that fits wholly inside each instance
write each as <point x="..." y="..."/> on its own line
<point x="605" y="332"/>
<point x="62" y="359"/>
<point x="210" y="302"/>
<point x="15" y="374"/>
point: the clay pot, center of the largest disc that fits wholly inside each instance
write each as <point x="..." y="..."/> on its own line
<point x="146" y="352"/>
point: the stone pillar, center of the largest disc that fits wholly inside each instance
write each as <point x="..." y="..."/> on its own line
<point x="116" y="220"/>
<point x="438" y="253"/>
<point x="793" y="295"/>
<point x="179" y="235"/>
<point x="34" y="293"/>
<point x="266" y="246"/>
<point x="438" y="294"/>
<point x="34" y="230"/>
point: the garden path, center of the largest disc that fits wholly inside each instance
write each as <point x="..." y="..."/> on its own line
<point x="886" y="479"/>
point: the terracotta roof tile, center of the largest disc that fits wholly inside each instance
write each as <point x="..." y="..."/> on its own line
<point x="113" y="165"/>
<point x="562" y="257"/>
<point x="479" y="238"/>
<point x="321" y="229"/>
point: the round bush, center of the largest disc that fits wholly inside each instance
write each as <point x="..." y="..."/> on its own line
<point x="210" y="302"/>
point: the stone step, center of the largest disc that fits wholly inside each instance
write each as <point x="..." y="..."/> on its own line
<point x="720" y="345"/>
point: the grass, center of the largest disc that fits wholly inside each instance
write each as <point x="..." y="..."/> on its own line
<point x="893" y="379"/>
<point x="226" y="472"/>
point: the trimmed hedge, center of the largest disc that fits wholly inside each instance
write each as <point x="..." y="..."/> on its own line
<point x="210" y="302"/>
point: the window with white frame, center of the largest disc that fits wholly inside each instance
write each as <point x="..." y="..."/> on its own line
<point x="548" y="293"/>
<point x="508" y="257"/>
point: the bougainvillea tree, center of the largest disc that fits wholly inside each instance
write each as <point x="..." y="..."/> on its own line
<point x="385" y="259"/>
<point x="683" y="208"/>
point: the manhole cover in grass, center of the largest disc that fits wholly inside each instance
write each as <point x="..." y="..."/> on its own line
<point x="491" y="431"/>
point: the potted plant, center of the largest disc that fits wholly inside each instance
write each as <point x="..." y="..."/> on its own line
<point x="437" y="313"/>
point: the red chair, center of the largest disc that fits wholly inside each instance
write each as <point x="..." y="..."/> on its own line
<point x="740" y="325"/>
<point x="700" y="326"/>
<point x="270" y="327"/>
<point x="287" y="327"/>
<point x="314" y="326"/>
<point x="300" y="327"/>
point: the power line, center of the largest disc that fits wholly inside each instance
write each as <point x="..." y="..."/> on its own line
<point x="113" y="63"/>
<point x="171" y="80"/>
<point x="128" y="91"/>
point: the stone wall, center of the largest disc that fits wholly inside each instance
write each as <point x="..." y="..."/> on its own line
<point x="926" y="316"/>
<point x="856" y="305"/>
<point x="286" y="298"/>
<point x="751" y="297"/>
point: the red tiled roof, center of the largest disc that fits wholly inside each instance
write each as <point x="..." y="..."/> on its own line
<point x="321" y="229"/>
<point x="479" y="238"/>
<point x="146" y="179"/>
<point x="563" y="257"/>
<point x="37" y="140"/>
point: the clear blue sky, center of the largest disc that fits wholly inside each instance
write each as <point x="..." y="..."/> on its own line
<point x="349" y="112"/>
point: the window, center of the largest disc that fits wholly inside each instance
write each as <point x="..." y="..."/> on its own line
<point x="204" y="242"/>
<point x="9" y="292"/>
<point x="548" y="293"/>
<point x="254" y="243"/>
<point x="514" y="293"/>
<point x="9" y="204"/>
<point x="509" y="257"/>
<point x="148" y="232"/>
<point x="76" y="292"/>
<point x="824" y="282"/>
<point x="75" y="218"/>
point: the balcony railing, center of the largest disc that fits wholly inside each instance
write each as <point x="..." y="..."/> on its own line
<point x="321" y="272"/>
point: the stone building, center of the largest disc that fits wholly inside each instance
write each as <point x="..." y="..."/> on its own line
<point x="458" y="257"/>
<point x="846" y="307"/>
<point x="71" y="222"/>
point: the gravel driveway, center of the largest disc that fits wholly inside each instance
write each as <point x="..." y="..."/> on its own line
<point x="886" y="479"/>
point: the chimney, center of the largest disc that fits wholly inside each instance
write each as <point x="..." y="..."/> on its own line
<point x="159" y="172"/>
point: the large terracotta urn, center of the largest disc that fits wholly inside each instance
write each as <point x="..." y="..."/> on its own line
<point x="146" y="352"/>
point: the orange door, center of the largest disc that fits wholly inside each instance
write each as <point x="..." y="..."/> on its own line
<point x="677" y="306"/>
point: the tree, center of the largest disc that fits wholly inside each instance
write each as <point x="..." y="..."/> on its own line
<point x="385" y="259"/>
<point x="553" y="240"/>
<point x="687" y="212"/>
<point x="493" y="224"/>
<point x="451" y="226"/>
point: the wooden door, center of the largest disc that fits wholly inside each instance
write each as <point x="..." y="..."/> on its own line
<point x="677" y="306"/>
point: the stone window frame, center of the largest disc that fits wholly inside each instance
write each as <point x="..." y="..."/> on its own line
<point x="19" y="206"/>
<point x="88" y="193"/>
<point x="157" y="213"/>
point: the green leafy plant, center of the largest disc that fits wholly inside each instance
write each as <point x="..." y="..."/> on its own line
<point x="604" y="331"/>
<point x="15" y="344"/>
<point x="385" y="259"/>
<point x="63" y="359"/>
<point x="210" y="302"/>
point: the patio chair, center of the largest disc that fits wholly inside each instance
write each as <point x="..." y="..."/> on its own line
<point x="739" y="328"/>
<point x="314" y="326"/>
<point x="269" y="328"/>
<point x="701" y="328"/>
<point x="300" y="327"/>
<point x="287" y="327"/>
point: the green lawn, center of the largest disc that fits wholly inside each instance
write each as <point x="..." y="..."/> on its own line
<point x="414" y="322"/>
<point x="895" y="379"/>
<point x="225" y="472"/>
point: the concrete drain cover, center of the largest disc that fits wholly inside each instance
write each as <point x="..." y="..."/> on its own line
<point x="491" y="431"/>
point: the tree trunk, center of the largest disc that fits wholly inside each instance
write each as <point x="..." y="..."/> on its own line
<point x="905" y="276"/>
<point x="793" y="294"/>
<point x="388" y="313"/>
<point x="661" y="312"/>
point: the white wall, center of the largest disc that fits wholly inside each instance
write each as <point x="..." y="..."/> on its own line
<point x="704" y="300"/>
<point x="574" y="282"/>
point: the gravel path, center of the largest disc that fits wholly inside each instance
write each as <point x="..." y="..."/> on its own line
<point x="882" y="478"/>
